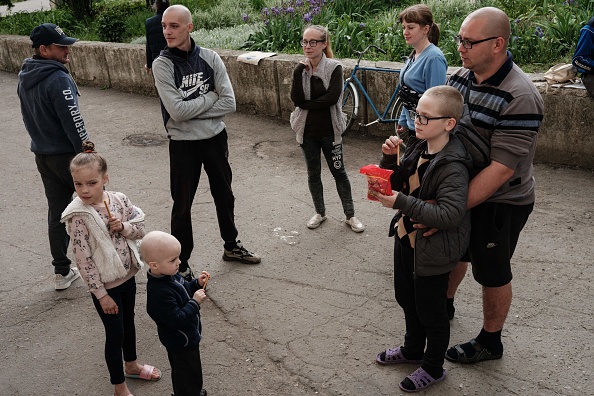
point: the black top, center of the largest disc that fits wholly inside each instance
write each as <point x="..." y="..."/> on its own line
<point x="155" y="41"/>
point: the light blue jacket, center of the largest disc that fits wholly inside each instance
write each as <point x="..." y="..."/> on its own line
<point x="428" y="70"/>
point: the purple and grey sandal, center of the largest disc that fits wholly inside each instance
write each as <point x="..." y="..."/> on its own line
<point x="394" y="356"/>
<point x="421" y="380"/>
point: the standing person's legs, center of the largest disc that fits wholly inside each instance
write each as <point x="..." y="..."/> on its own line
<point x="128" y="295"/>
<point x="430" y="297"/>
<point x="59" y="188"/>
<point x="185" y="165"/>
<point x="404" y="289"/>
<point x="114" y="333"/>
<point x="311" y="152"/>
<point x="216" y="165"/>
<point x="335" y="159"/>
<point x="496" y="230"/>
<point x="186" y="371"/>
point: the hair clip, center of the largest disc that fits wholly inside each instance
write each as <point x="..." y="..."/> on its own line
<point x="89" y="151"/>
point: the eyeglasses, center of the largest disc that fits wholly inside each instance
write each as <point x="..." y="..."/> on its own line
<point x="424" y="120"/>
<point x="468" y="44"/>
<point x="312" y="43"/>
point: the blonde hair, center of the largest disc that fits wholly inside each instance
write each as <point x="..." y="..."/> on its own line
<point x="448" y="101"/>
<point x="89" y="158"/>
<point x="325" y="37"/>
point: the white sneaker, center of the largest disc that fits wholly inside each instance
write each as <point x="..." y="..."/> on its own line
<point x="315" y="221"/>
<point x="355" y="224"/>
<point x="64" y="281"/>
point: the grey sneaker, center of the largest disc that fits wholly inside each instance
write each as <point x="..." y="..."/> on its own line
<point x="64" y="281"/>
<point x="188" y="275"/>
<point x="241" y="254"/>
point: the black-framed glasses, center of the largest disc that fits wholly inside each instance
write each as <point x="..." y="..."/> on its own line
<point x="468" y="44"/>
<point x="424" y="120"/>
<point x="312" y="43"/>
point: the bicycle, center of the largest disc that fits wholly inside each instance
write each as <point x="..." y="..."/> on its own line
<point x="350" y="96"/>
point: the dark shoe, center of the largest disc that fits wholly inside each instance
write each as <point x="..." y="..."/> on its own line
<point x="457" y="353"/>
<point x="188" y="275"/>
<point x="241" y="254"/>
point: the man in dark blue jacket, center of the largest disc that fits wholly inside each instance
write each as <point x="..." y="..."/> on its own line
<point x="155" y="40"/>
<point x="49" y="106"/>
<point x="583" y="57"/>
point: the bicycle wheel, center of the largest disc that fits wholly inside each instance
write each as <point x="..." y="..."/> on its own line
<point x="350" y="105"/>
<point x="406" y="137"/>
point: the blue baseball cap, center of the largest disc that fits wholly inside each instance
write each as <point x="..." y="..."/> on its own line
<point x="50" y="33"/>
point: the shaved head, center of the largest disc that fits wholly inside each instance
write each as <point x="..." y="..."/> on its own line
<point x="155" y="244"/>
<point x="180" y="12"/>
<point x="496" y="23"/>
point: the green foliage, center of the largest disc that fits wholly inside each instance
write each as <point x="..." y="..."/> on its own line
<point x="544" y="32"/>
<point x="117" y="19"/>
<point x="223" y="13"/>
<point x="22" y="23"/>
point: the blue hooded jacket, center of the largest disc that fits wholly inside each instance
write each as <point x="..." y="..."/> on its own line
<point x="49" y="106"/>
<point x="583" y="57"/>
<point x="170" y="304"/>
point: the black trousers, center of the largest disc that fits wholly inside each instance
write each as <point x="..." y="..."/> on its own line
<point x="186" y="159"/>
<point x="186" y="371"/>
<point x="120" y="331"/>
<point x="423" y="299"/>
<point x="59" y="187"/>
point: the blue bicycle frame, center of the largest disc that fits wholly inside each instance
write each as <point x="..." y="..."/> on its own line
<point x="382" y="118"/>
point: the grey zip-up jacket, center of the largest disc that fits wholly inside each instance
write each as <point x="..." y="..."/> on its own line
<point x="195" y="92"/>
<point x="446" y="182"/>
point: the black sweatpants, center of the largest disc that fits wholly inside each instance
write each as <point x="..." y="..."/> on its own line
<point x="186" y="370"/>
<point x="186" y="158"/>
<point x="423" y="299"/>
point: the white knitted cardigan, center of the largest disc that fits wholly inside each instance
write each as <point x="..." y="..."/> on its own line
<point x="106" y="258"/>
<point x="299" y="116"/>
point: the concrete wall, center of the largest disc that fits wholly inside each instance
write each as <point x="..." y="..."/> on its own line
<point x="565" y="136"/>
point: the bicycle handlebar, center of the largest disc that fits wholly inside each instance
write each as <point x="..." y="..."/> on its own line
<point x="361" y="53"/>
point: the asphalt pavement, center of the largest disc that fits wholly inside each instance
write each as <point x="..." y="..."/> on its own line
<point x="310" y="319"/>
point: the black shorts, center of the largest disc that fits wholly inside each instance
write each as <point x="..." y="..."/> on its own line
<point x="496" y="228"/>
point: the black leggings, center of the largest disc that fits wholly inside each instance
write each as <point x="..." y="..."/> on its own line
<point x="120" y="333"/>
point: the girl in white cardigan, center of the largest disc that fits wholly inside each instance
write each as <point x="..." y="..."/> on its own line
<point x="104" y="229"/>
<point x="318" y="122"/>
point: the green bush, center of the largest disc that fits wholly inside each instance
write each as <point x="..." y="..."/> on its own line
<point x="118" y="19"/>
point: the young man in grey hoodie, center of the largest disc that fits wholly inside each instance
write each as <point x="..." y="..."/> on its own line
<point x="196" y="94"/>
<point x="49" y="106"/>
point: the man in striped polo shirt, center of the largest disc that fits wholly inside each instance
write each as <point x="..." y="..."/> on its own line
<point x="507" y="109"/>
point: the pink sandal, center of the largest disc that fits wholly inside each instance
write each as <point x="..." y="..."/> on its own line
<point x="146" y="373"/>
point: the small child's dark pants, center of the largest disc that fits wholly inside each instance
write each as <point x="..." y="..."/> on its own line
<point x="186" y="370"/>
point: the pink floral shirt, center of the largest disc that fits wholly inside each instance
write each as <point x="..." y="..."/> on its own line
<point x="120" y="207"/>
